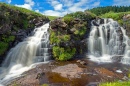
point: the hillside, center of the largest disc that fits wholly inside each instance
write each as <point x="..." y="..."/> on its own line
<point x="102" y="10"/>
<point x="16" y="24"/>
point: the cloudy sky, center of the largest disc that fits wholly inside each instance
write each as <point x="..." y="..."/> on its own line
<point x="62" y="7"/>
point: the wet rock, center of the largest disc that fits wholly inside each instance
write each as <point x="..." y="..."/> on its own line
<point x="125" y="78"/>
<point x="78" y="61"/>
<point x="101" y="21"/>
<point x="116" y="58"/>
<point x="83" y="63"/>
<point x="40" y="75"/>
<point x="95" y="23"/>
<point x="125" y="17"/>
<point x="58" y="23"/>
<point x="93" y="84"/>
<point x="69" y="71"/>
<point x="105" y="72"/>
<point x="38" y="24"/>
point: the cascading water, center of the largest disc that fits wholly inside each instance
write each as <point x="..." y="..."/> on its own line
<point x="108" y="41"/>
<point x="33" y="49"/>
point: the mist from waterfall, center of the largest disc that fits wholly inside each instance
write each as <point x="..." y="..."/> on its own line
<point x="32" y="50"/>
<point x="108" y="42"/>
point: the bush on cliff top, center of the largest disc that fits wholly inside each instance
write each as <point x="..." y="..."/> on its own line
<point x="81" y="15"/>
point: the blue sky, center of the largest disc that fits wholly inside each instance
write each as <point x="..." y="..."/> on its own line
<point x="62" y="7"/>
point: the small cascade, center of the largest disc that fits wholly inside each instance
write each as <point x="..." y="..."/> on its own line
<point x="33" y="49"/>
<point x="108" y="42"/>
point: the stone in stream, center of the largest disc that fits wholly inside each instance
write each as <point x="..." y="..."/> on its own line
<point x="117" y="58"/>
<point x="93" y="84"/>
<point x="81" y="62"/>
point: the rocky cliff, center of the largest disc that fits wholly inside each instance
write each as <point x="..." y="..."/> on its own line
<point x="68" y="35"/>
<point x="15" y="25"/>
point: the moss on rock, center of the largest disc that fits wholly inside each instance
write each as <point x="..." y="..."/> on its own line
<point x="67" y="33"/>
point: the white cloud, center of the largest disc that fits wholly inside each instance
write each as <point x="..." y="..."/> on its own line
<point x="28" y="4"/>
<point x="8" y="1"/>
<point x="37" y="11"/>
<point x="62" y="7"/>
<point x="56" y="4"/>
<point x="95" y="4"/>
<point x="58" y="7"/>
<point x="53" y="3"/>
<point x="52" y="13"/>
<point x="67" y="3"/>
<point x="121" y="2"/>
<point x="83" y="5"/>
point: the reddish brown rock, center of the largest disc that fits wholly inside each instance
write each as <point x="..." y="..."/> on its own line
<point x="69" y="71"/>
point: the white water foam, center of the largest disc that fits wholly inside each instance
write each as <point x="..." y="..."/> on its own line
<point x="25" y="55"/>
<point x="108" y="41"/>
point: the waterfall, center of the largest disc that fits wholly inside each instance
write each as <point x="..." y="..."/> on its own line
<point x="108" y="42"/>
<point x="33" y="49"/>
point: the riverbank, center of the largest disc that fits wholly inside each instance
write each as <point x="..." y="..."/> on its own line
<point x="72" y="73"/>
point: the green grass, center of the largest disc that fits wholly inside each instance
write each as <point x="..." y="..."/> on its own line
<point x="113" y="15"/>
<point x="116" y="16"/>
<point x="22" y="10"/>
<point x="124" y="83"/>
<point x="52" y="17"/>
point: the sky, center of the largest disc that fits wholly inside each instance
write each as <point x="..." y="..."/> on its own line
<point x="63" y="7"/>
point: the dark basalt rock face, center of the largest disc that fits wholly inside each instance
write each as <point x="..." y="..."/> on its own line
<point x="18" y="24"/>
<point x="77" y="40"/>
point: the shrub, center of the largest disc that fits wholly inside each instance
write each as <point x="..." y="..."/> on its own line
<point x="54" y="38"/>
<point x="65" y="38"/>
<point x="8" y="39"/>
<point x="62" y="54"/>
<point x="3" y="47"/>
<point x="67" y="20"/>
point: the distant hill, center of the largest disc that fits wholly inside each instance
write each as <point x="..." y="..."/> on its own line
<point x="102" y="10"/>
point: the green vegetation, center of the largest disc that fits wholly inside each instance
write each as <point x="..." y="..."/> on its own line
<point x="81" y="29"/>
<point x="67" y="20"/>
<point x="57" y="38"/>
<point x="61" y="53"/>
<point x="81" y="15"/>
<point x="20" y="17"/>
<point x="14" y="19"/>
<point x="3" y="47"/>
<point x="124" y="83"/>
<point x="116" y="16"/>
<point x="66" y="32"/>
<point x="52" y="17"/>
<point x="8" y="39"/>
<point x="4" y="44"/>
<point x="102" y="10"/>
